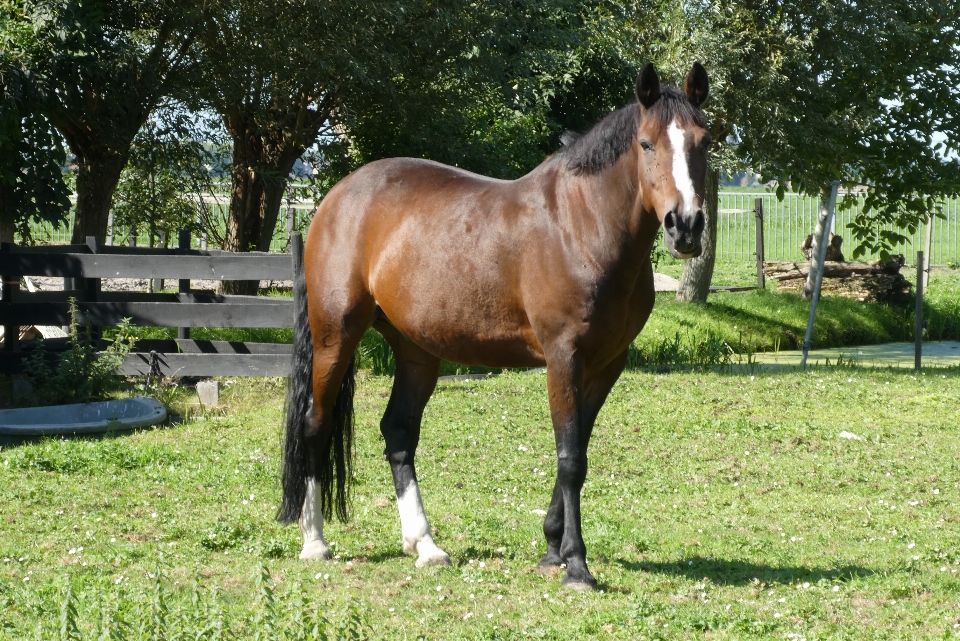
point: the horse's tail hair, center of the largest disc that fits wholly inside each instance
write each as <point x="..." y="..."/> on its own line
<point x="327" y="458"/>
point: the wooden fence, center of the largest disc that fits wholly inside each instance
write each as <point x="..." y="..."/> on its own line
<point x="83" y="267"/>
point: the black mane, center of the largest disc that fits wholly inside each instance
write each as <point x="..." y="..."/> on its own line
<point x="610" y="138"/>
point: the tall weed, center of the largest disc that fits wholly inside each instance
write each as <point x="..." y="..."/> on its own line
<point x="83" y="373"/>
<point x="157" y="614"/>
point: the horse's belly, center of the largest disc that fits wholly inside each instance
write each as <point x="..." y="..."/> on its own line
<point x="458" y="333"/>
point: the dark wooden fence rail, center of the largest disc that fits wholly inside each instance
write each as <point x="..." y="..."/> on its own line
<point x="83" y="267"/>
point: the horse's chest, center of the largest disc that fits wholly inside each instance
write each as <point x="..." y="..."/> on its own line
<point x="619" y="311"/>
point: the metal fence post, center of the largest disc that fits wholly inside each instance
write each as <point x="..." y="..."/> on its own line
<point x="918" y="328"/>
<point x="758" y="212"/>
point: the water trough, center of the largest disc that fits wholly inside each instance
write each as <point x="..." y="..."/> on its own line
<point x="82" y="418"/>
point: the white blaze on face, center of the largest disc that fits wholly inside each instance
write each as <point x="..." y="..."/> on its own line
<point x="681" y="171"/>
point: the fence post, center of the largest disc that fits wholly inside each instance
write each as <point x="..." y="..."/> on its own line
<point x="758" y="211"/>
<point x="296" y="259"/>
<point x="158" y="282"/>
<point x="926" y="250"/>
<point x="918" y="328"/>
<point x="91" y="287"/>
<point x="291" y="214"/>
<point x="183" y="243"/>
<point x="9" y="285"/>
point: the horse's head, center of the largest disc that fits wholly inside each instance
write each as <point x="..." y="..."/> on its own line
<point x="673" y="141"/>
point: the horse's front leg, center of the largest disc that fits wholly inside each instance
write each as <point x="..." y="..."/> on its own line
<point x="575" y="400"/>
<point x="562" y="524"/>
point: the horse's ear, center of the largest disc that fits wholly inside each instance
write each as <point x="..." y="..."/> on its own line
<point x="697" y="85"/>
<point x="648" y="85"/>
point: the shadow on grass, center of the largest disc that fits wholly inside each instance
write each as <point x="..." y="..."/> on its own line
<point x="738" y="572"/>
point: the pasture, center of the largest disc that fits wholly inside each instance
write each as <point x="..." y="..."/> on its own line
<point x="718" y="505"/>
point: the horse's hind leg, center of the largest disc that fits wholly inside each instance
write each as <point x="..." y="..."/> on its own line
<point x="333" y="353"/>
<point x="414" y="382"/>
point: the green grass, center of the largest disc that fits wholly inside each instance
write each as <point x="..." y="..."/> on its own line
<point x="770" y="320"/>
<point x="717" y="506"/>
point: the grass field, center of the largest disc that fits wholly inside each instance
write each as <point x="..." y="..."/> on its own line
<point x="718" y="505"/>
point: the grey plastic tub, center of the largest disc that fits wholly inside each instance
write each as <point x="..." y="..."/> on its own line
<point x="82" y="418"/>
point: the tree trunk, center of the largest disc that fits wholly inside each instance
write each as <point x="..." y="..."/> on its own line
<point x="243" y="221"/>
<point x="698" y="272"/>
<point x="254" y="205"/>
<point x="6" y="232"/>
<point x="819" y="236"/>
<point x="97" y="176"/>
<point x="273" y="192"/>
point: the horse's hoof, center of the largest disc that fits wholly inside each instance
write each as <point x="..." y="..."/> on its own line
<point x="430" y="554"/>
<point x="315" y="550"/>
<point x="550" y="565"/>
<point x="437" y="558"/>
<point x="579" y="585"/>
<point x="579" y="578"/>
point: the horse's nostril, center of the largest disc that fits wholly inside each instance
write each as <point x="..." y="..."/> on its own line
<point x="699" y="222"/>
<point x="670" y="221"/>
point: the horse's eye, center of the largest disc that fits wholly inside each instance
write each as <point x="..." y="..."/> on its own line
<point x="647" y="145"/>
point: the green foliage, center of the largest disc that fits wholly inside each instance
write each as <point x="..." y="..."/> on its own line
<point x="103" y="67"/>
<point x="691" y="350"/>
<point x="83" y="372"/>
<point x="164" y="177"/>
<point x="376" y="354"/>
<point x="32" y="187"/>
<point x="812" y="91"/>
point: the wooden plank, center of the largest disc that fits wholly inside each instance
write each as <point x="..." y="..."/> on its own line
<point x="191" y="346"/>
<point x="49" y="249"/>
<point x="23" y="296"/>
<point x="259" y="312"/>
<point x="208" y="364"/>
<point x="184" y="265"/>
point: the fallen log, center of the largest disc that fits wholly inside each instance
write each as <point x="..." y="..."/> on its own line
<point x="879" y="281"/>
<point x="782" y="271"/>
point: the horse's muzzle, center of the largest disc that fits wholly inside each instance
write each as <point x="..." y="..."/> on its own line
<point x="682" y="232"/>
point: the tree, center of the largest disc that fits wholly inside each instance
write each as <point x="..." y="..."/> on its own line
<point x="808" y="91"/>
<point x="439" y="79"/>
<point x="104" y="66"/>
<point x="165" y="176"/>
<point x="853" y="92"/>
<point x="31" y="153"/>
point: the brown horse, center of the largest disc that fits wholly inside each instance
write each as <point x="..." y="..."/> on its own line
<point x="550" y="269"/>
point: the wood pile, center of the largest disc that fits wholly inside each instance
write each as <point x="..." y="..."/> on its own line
<point x="879" y="281"/>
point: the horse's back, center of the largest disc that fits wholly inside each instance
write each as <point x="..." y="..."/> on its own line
<point x="439" y="249"/>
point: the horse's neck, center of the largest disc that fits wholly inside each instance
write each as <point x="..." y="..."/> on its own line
<point x="612" y="224"/>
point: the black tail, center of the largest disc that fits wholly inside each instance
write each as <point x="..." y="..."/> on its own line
<point x="326" y="456"/>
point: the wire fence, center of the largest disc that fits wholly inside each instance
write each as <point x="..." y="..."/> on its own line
<point x="786" y="224"/>
<point x="296" y="212"/>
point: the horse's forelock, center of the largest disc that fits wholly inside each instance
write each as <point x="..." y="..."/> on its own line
<point x="674" y="105"/>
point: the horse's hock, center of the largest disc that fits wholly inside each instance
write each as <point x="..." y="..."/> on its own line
<point x="879" y="280"/>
